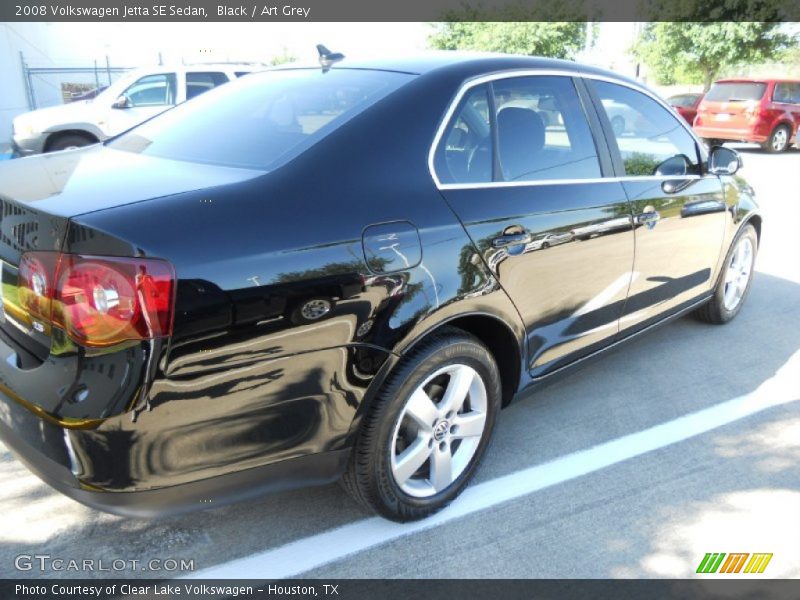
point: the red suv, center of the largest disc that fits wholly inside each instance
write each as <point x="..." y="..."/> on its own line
<point x="766" y="111"/>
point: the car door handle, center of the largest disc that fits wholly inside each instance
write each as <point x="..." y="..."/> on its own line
<point x="674" y="186"/>
<point x="511" y="239"/>
<point x="647" y="217"/>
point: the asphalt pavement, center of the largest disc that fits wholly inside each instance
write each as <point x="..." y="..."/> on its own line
<point x="683" y="442"/>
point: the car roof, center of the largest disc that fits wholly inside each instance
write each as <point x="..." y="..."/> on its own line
<point x="757" y="80"/>
<point x="470" y="64"/>
<point x="223" y="66"/>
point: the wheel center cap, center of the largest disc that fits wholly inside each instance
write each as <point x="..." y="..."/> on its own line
<point x="440" y="430"/>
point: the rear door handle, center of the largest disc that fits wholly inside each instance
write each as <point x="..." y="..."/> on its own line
<point x="647" y="217"/>
<point x="511" y="239"/>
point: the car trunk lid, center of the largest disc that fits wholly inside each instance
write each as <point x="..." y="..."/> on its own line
<point x="39" y="196"/>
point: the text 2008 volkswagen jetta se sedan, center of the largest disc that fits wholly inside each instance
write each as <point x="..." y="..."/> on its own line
<point x="320" y="273"/>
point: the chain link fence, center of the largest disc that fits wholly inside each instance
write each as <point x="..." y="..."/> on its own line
<point x="52" y="85"/>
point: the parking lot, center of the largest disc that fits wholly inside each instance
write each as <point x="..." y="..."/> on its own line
<point x="684" y="442"/>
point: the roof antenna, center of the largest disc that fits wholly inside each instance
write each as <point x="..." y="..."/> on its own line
<point x="327" y="58"/>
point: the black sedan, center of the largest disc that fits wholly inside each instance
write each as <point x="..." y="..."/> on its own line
<point x="313" y="274"/>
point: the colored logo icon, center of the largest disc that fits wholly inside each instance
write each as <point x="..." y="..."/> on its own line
<point x="719" y="562"/>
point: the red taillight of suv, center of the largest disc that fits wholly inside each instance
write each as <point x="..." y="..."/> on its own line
<point x="752" y="111"/>
<point x="99" y="301"/>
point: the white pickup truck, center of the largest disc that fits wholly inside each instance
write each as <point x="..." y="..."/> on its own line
<point x="132" y="99"/>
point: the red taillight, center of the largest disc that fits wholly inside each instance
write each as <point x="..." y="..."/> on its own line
<point x="98" y="301"/>
<point x="752" y="111"/>
<point x="36" y="278"/>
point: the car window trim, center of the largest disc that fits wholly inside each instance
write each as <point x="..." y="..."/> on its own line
<point x="491" y="102"/>
<point x="604" y="151"/>
<point x="575" y="74"/>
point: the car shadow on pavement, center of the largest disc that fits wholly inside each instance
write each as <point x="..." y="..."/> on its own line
<point x="676" y="370"/>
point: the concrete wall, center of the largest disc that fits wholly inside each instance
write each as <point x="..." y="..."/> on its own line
<point x="72" y="45"/>
<point x="33" y="40"/>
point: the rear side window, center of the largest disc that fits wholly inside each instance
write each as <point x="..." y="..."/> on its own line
<point x="197" y="83"/>
<point x="736" y="91"/>
<point x="651" y="141"/>
<point x="264" y="119"/>
<point x="540" y="129"/>
<point x="787" y="93"/>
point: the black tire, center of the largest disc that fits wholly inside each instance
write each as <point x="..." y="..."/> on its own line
<point x="775" y="146"/>
<point x="714" y="311"/>
<point x="711" y="142"/>
<point x="65" y="142"/>
<point x="545" y="245"/>
<point x="369" y="477"/>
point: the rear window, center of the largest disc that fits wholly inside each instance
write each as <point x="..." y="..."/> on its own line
<point x="261" y="120"/>
<point x="685" y="100"/>
<point x="736" y="91"/>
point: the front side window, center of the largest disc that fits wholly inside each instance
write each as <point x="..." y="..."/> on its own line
<point x="651" y="141"/>
<point x="540" y="129"/>
<point x="197" y="83"/>
<point x="152" y="90"/>
<point x="263" y="119"/>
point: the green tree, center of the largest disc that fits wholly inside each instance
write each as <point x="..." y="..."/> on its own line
<point x="284" y="57"/>
<point x="695" y="52"/>
<point x="552" y="28"/>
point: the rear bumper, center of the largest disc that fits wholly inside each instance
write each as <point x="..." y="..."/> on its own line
<point x="48" y="450"/>
<point x="744" y="134"/>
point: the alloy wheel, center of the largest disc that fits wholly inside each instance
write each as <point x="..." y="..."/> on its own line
<point x="439" y="430"/>
<point x="780" y="139"/>
<point x="738" y="273"/>
<point x="315" y="309"/>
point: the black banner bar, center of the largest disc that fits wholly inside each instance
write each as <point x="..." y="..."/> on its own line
<point x="743" y="588"/>
<point x="395" y="10"/>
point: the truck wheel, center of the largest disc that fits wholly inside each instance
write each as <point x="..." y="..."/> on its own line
<point x="69" y="142"/>
<point x="711" y="142"/>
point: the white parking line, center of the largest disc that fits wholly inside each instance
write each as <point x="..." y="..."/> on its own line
<point x="308" y="553"/>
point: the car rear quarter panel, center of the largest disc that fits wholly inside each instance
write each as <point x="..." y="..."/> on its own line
<point x="244" y="382"/>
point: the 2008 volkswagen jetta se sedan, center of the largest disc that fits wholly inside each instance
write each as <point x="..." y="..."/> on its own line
<point x="312" y="274"/>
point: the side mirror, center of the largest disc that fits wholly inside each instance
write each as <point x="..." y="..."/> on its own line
<point x="122" y="102"/>
<point x="724" y="161"/>
<point x="674" y="166"/>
